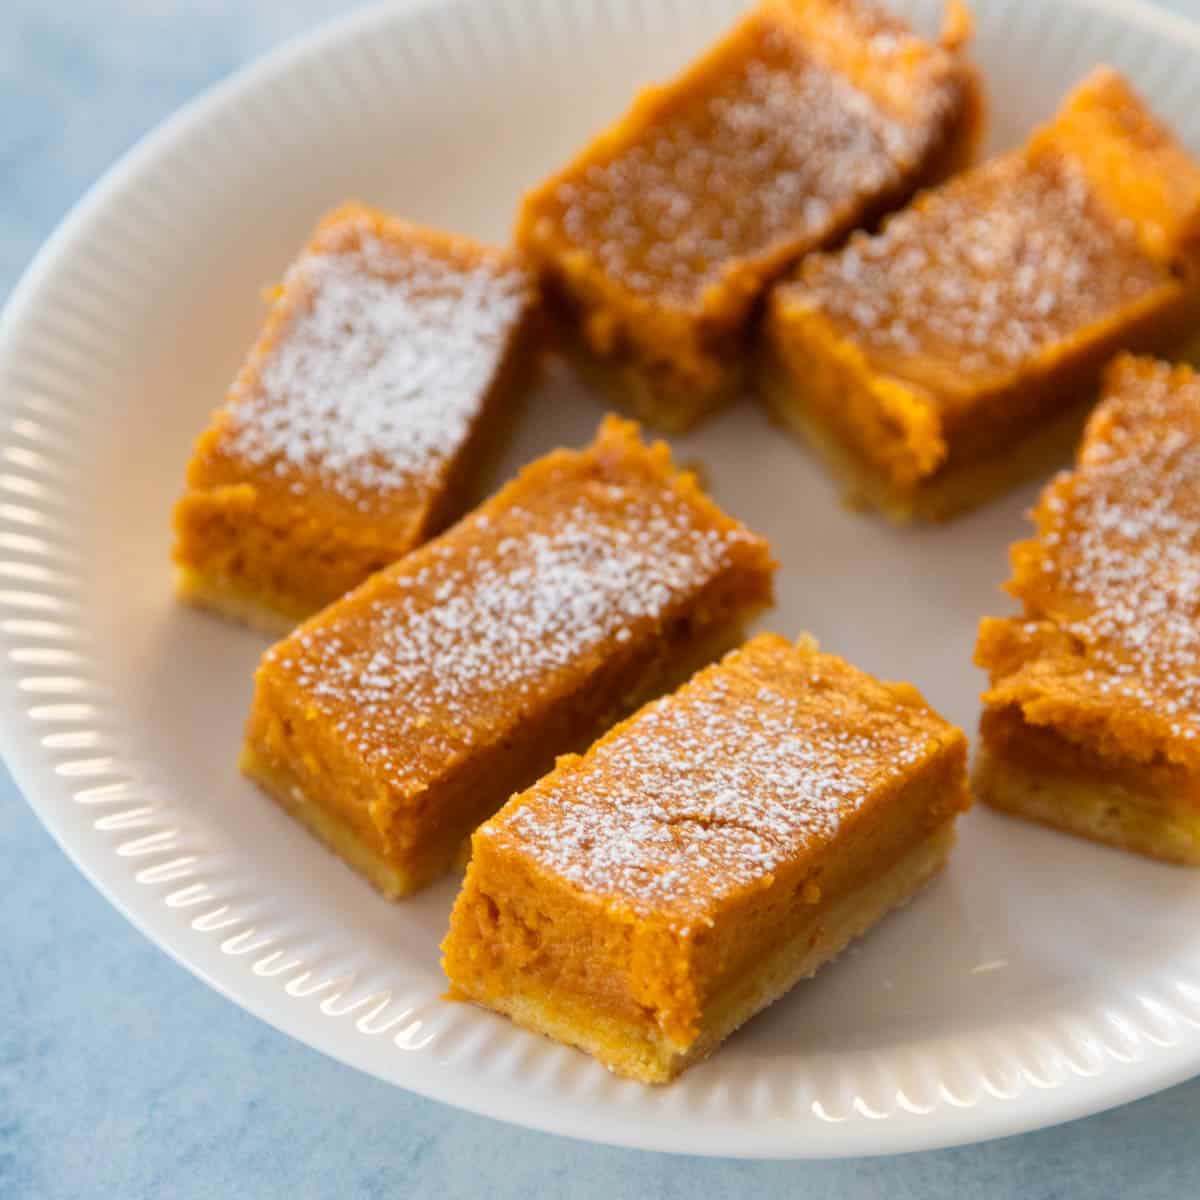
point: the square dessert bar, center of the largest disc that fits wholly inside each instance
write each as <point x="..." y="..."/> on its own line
<point x="396" y="720"/>
<point x="956" y="351"/>
<point x="1092" y="720"/>
<point x="352" y="434"/>
<point x="809" y="118"/>
<point x="643" y="901"/>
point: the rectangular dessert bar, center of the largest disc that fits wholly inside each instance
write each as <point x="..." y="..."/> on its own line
<point x="956" y="351"/>
<point x="643" y="901"/>
<point x="809" y="118"/>
<point x="386" y="365"/>
<point x="1092" y="720"/>
<point x="396" y="720"/>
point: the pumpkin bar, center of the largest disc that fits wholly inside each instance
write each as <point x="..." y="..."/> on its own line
<point x="957" y="351"/>
<point x="387" y="363"/>
<point x="1092" y="720"/>
<point x="643" y="901"/>
<point x="810" y="117"/>
<point x="396" y="720"/>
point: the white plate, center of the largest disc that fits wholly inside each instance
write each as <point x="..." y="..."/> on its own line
<point x="1040" y="979"/>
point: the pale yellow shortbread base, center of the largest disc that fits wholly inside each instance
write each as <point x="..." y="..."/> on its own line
<point x="217" y="594"/>
<point x="1102" y="812"/>
<point x="390" y="879"/>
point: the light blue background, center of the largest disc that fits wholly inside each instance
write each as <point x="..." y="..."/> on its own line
<point x="123" y="1077"/>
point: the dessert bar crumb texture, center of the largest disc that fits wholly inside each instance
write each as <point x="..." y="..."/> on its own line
<point x="645" y="899"/>
<point x="406" y="713"/>
<point x="1092" y="720"/>
<point x="354" y="430"/>
<point x="947" y="356"/>
<point x="807" y="119"/>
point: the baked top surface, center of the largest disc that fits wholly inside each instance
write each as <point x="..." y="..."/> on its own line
<point x="983" y="277"/>
<point x="576" y="563"/>
<point x="756" y="762"/>
<point x="1110" y="645"/>
<point x="372" y="367"/>
<point x="764" y="144"/>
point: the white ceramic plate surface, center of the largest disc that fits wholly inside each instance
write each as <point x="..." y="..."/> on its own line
<point x="1040" y="979"/>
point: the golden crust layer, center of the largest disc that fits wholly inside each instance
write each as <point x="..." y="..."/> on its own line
<point x="357" y="425"/>
<point x="415" y="706"/>
<point x="1092" y="807"/>
<point x="645" y="899"/>
<point x="809" y="118"/>
<point x="928" y="354"/>
<point x="363" y="853"/>
<point x="228" y="599"/>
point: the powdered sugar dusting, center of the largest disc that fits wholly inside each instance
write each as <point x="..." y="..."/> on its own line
<point x="1118" y="553"/>
<point x="708" y="791"/>
<point x="780" y="149"/>
<point x="987" y="271"/>
<point x="379" y="373"/>
<point x="519" y="603"/>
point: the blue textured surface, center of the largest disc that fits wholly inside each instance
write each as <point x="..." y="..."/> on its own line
<point x="121" y="1076"/>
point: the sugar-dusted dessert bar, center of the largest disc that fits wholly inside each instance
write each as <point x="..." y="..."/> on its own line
<point x="809" y="118"/>
<point x="1092" y="720"/>
<point x="396" y="720"/>
<point x="352" y="433"/>
<point x="957" y="351"/>
<point x="643" y="901"/>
